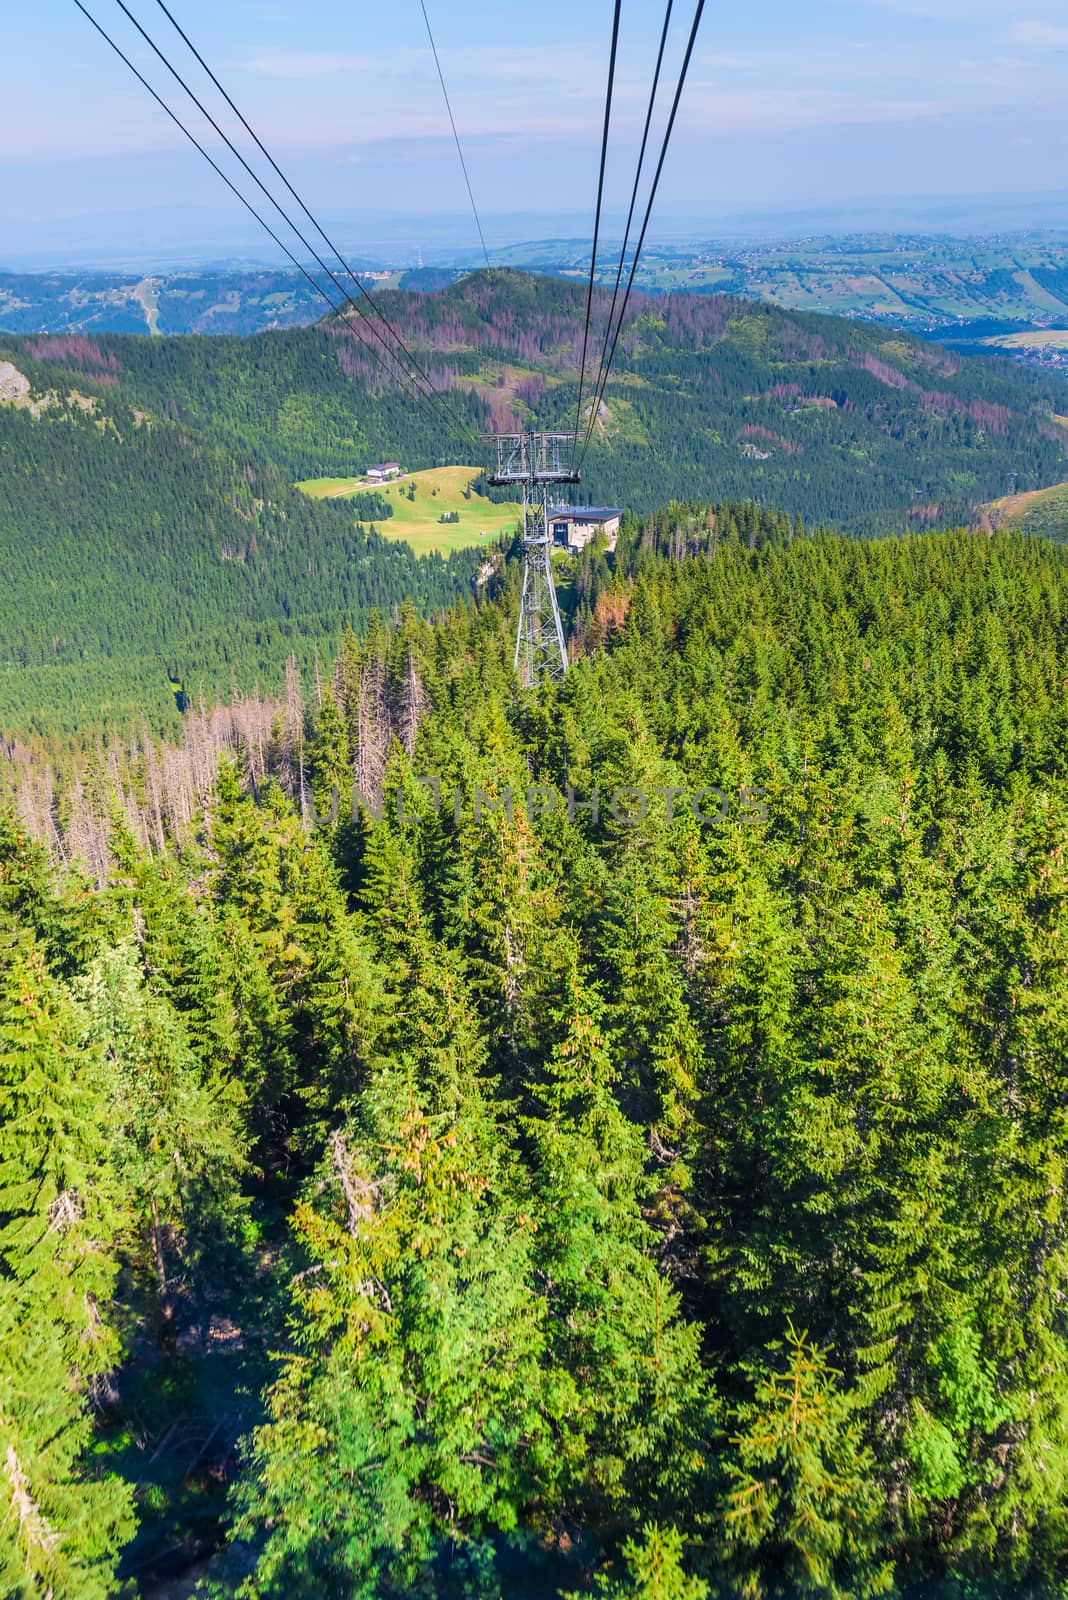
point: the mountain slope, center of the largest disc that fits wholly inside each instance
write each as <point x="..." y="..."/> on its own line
<point x="147" y="521"/>
<point x="510" y="1180"/>
<point x="837" y="421"/>
<point x="133" y="548"/>
<point x="1039" y="511"/>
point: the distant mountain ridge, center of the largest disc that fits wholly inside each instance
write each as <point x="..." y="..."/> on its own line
<point x="182" y="302"/>
<point x="944" y="286"/>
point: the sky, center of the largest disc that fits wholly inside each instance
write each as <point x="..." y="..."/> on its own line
<point x="789" y="106"/>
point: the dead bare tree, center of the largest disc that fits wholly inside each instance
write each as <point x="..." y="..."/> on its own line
<point x="86" y="834"/>
<point x="372" y="727"/>
<point x="411" y="703"/>
<point x="153" y="789"/>
<point x="293" y="717"/>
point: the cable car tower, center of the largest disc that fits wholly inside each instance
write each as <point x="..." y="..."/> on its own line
<point x="532" y="461"/>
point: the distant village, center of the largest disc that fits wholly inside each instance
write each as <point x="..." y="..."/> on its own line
<point x="1043" y="355"/>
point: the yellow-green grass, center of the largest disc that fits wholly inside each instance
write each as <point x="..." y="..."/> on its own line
<point x="481" y="522"/>
<point x="1039" y="339"/>
<point x="1040" y="511"/>
<point x="1015" y="506"/>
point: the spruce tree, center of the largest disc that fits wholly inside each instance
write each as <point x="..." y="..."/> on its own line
<point x="177" y="1143"/>
<point x="654" y="1570"/>
<point x="803" y="1511"/>
<point x="410" y="1415"/>
<point x="60" y="1226"/>
<point x="639" y="1409"/>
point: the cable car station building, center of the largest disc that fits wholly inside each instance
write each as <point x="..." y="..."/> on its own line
<point x="574" y="526"/>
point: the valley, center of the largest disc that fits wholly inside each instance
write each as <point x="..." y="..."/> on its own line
<point x="534" y="803"/>
<point x="148" y="523"/>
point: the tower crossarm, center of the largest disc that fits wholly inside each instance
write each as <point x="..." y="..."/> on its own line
<point x="501" y="480"/>
<point x="532" y="458"/>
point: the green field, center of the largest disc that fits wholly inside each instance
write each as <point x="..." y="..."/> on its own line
<point x="1038" y="339"/>
<point x="418" y="521"/>
<point x="1041" y="511"/>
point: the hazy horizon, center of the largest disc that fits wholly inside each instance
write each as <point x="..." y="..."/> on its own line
<point x="848" y="108"/>
<point x="172" y="238"/>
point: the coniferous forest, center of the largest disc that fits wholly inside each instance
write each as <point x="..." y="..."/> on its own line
<point x="149" y="530"/>
<point x="605" y="1142"/>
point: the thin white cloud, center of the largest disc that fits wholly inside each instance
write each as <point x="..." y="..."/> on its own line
<point x="1043" y="33"/>
<point x="310" y="66"/>
<point x="776" y="110"/>
<point x="1003" y="12"/>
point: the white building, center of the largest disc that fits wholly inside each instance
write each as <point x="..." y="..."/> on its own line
<point x="575" y="526"/>
<point x="384" y="471"/>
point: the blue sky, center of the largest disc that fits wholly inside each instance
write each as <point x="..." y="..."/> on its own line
<point x="789" y="104"/>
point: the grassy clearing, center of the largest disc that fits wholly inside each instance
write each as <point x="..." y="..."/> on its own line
<point x="417" y="521"/>
<point x="1040" y="339"/>
<point x="1040" y="511"/>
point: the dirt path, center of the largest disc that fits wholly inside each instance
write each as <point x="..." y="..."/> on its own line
<point x="1013" y="506"/>
<point x="146" y="293"/>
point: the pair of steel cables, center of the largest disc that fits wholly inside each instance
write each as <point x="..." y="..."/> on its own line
<point x="372" y="327"/>
<point x="388" y="347"/>
<point x="618" y="309"/>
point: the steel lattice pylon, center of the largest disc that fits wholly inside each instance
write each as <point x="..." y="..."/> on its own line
<point x="532" y="461"/>
<point x="539" y="647"/>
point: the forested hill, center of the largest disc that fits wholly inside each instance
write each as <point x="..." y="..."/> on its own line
<point x="148" y="526"/>
<point x="655" y="1202"/>
<point x="837" y="421"/>
<point x="140" y="557"/>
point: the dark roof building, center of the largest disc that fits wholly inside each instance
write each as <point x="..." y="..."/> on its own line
<point x="575" y="526"/>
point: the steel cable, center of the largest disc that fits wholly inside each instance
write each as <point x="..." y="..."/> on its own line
<point x="597" y="214"/>
<point x="649" y="209"/>
<point x="429" y="393"/>
<point x="431" y="390"/>
<point x="316" y="224"/>
<point x="249" y="207"/>
<point x="598" y="387"/>
<point x="456" y="136"/>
